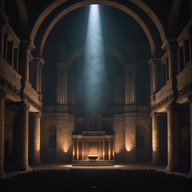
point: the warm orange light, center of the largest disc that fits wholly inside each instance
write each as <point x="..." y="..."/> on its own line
<point x="66" y="146"/>
<point x="128" y="146"/>
<point x="154" y="141"/>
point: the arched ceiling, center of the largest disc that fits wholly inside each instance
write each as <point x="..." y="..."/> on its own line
<point x="155" y="18"/>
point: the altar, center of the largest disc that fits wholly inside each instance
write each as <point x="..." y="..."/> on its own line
<point x="93" y="146"/>
<point x="92" y="157"/>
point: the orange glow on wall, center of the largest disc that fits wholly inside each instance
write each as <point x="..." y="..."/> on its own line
<point x="66" y="146"/>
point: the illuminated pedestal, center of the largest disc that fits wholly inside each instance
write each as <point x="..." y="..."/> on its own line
<point x="92" y="157"/>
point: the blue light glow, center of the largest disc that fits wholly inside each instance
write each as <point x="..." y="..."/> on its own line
<point x="94" y="66"/>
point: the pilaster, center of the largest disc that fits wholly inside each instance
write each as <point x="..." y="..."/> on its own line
<point x="38" y="63"/>
<point x="62" y="78"/>
<point x="36" y="138"/>
<point x="23" y="132"/>
<point x="25" y="49"/>
<point x="154" y="64"/>
<point x="130" y="85"/>
<point x="172" y="46"/>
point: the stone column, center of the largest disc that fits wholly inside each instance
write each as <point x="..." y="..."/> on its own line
<point x="130" y="85"/>
<point x="103" y="149"/>
<point x="109" y="156"/>
<point x="154" y="74"/>
<point x="171" y="47"/>
<point x="25" y="48"/>
<point x="155" y="139"/>
<point x="190" y="101"/>
<point x="2" y="127"/>
<point x="173" y="138"/>
<point x="23" y="137"/>
<point x="36" y="138"/>
<point x="77" y="149"/>
<point x="83" y="149"/>
<point x="38" y="62"/>
<point x="62" y="77"/>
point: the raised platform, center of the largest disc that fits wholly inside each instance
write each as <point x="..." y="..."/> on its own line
<point x="93" y="163"/>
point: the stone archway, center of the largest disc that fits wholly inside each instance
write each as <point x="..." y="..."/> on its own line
<point x="113" y="4"/>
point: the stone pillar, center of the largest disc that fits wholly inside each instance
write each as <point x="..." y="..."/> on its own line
<point x="173" y="138"/>
<point x="103" y="149"/>
<point x="25" y="48"/>
<point x="155" y="139"/>
<point x="2" y="126"/>
<point x="109" y="156"/>
<point x="77" y="149"/>
<point x="62" y="77"/>
<point x="172" y="46"/>
<point x="154" y="74"/>
<point x="23" y="137"/>
<point x="36" y="138"/>
<point x="190" y="101"/>
<point x="130" y="85"/>
<point x="38" y="62"/>
<point x="83" y="149"/>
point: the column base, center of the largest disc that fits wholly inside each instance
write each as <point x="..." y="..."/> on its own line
<point x="172" y="168"/>
<point x="26" y="168"/>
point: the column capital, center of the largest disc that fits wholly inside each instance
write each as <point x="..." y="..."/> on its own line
<point x="155" y="114"/>
<point x="38" y="61"/>
<point x="154" y="61"/>
<point x="27" y="44"/>
<point x="2" y="94"/>
<point x="170" y="44"/>
<point x="37" y="114"/>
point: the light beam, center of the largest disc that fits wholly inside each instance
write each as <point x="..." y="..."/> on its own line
<point x="94" y="66"/>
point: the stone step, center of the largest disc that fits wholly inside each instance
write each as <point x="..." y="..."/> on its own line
<point x="93" y="163"/>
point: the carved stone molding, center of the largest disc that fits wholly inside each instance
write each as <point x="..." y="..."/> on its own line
<point x="185" y="89"/>
<point x="163" y="102"/>
<point x="9" y="86"/>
